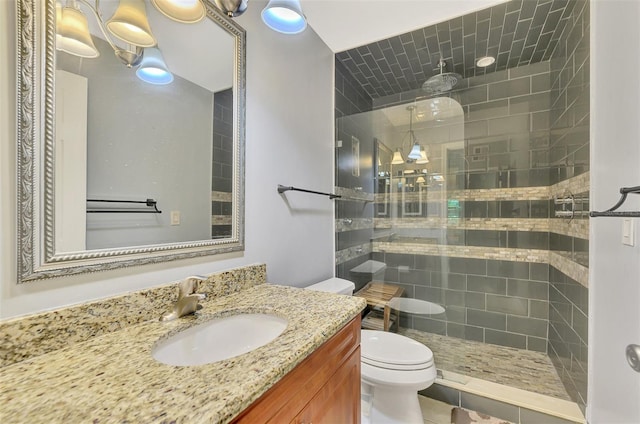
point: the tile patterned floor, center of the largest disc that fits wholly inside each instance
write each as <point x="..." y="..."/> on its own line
<point x="527" y="370"/>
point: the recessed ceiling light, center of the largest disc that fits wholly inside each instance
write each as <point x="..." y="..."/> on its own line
<point x="483" y="62"/>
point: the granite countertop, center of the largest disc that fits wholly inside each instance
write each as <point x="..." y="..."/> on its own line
<point x="113" y="377"/>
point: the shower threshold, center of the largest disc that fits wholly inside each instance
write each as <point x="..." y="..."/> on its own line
<point x="506" y="402"/>
<point x="524" y="380"/>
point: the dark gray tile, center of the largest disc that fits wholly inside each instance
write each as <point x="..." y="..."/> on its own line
<point x="494" y="285"/>
<point x="489" y="406"/>
<point x="508" y="305"/>
<point x="528" y="289"/>
<point x="486" y="319"/>
<point x="514" y="209"/>
<point x="486" y="238"/>
<point x="504" y="338"/>
<point x="508" y="125"/>
<point x="488" y="110"/>
<point x="430" y="325"/>
<point x="528" y="416"/>
<point x="468" y="266"/>
<point x="537" y="344"/>
<point x="508" y="269"/>
<point x="530" y="103"/>
<point x="442" y="393"/>
<point x="466" y="332"/>
<point x="529" y="326"/>
<point x="511" y="88"/>
<point x="449" y="281"/>
<point x="539" y="309"/>
<point x="475" y="300"/>
<point x="539" y="272"/>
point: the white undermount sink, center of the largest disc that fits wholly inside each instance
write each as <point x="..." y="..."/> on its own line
<point x="219" y="339"/>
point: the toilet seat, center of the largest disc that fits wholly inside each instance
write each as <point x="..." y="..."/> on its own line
<point x="407" y="380"/>
<point x="394" y="352"/>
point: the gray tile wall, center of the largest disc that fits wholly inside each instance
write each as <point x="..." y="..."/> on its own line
<point x="222" y="172"/>
<point x="498" y="302"/>
<point x="351" y="100"/>
<point x="568" y="335"/>
<point x="506" y="128"/>
<point x="524" y="127"/>
<point x="569" y="153"/>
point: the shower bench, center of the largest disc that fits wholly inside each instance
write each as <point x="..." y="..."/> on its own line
<point x="378" y="294"/>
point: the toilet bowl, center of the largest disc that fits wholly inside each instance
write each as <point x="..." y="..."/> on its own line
<point x="393" y="369"/>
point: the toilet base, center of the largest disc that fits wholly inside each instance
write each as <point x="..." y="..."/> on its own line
<point x="390" y="405"/>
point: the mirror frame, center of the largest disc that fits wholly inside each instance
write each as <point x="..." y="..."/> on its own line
<point x="36" y="256"/>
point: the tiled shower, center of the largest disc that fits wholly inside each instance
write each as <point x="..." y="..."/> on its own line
<point x="480" y="236"/>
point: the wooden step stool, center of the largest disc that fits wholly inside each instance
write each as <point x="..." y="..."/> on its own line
<point x="378" y="294"/>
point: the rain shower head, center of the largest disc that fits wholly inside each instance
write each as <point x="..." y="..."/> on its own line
<point x="442" y="82"/>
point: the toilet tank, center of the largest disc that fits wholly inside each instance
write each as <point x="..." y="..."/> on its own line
<point x="334" y="285"/>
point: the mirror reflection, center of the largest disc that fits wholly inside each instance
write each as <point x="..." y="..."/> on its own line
<point x="131" y="133"/>
<point x="142" y="114"/>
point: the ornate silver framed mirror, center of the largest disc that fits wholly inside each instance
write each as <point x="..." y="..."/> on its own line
<point x="115" y="170"/>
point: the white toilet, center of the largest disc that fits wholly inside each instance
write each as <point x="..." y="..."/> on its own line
<point x="393" y="367"/>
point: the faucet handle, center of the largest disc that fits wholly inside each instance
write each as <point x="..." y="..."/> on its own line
<point x="190" y="285"/>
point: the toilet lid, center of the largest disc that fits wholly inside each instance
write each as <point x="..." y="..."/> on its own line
<point x="393" y="351"/>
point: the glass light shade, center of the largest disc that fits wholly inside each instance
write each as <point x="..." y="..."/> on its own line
<point x="415" y="152"/>
<point x="397" y="158"/>
<point x="423" y="157"/>
<point x="284" y="16"/>
<point x="72" y="33"/>
<point x="184" y="11"/>
<point x="420" y="180"/>
<point x="129" y="23"/>
<point x="153" y="69"/>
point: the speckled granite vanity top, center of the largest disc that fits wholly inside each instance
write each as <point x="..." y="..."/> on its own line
<point x="113" y="378"/>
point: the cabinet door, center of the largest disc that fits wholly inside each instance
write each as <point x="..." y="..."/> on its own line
<point x="333" y="365"/>
<point x="339" y="399"/>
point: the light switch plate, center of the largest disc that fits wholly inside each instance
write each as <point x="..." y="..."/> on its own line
<point x="175" y="217"/>
<point x="628" y="232"/>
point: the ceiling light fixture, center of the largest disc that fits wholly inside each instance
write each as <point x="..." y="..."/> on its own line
<point x="416" y="152"/>
<point x="129" y="23"/>
<point x="153" y="69"/>
<point x="232" y="8"/>
<point x="284" y="16"/>
<point x="72" y="32"/>
<point x="73" y="36"/>
<point x="485" y="61"/>
<point x="183" y="11"/>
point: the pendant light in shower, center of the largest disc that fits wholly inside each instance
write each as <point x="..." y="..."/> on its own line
<point x="417" y="154"/>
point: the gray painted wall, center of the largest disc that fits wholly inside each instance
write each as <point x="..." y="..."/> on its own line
<point x="289" y="141"/>
<point x="145" y="141"/>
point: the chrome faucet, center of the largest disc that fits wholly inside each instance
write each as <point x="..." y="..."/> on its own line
<point x="188" y="299"/>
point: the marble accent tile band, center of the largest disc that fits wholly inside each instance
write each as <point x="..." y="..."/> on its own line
<point x="478" y="252"/>
<point x="351" y="224"/>
<point x="569" y="267"/>
<point x="573" y="228"/>
<point x="498" y="224"/>
<point x="221" y="196"/>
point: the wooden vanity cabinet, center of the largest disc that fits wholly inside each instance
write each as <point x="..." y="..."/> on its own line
<point x="324" y="388"/>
